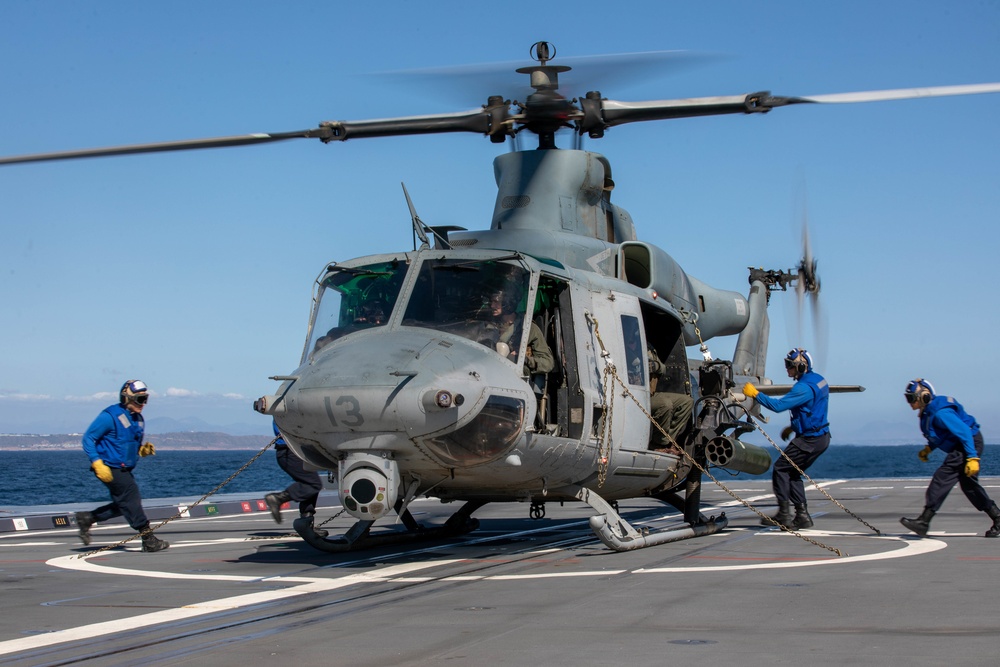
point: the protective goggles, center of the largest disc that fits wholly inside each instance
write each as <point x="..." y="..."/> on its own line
<point x="916" y="388"/>
<point x="140" y="399"/>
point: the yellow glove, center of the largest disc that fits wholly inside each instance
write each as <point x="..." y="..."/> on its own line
<point x="971" y="467"/>
<point x="102" y="471"/>
<point x="147" y="449"/>
<point x="749" y="390"/>
<point x="787" y="432"/>
<point x="924" y="454"/>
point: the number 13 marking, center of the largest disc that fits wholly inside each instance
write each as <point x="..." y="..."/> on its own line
<point x="351" y="413"/>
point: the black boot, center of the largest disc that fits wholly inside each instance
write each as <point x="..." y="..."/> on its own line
<point x="994" y="513"/>
<point x="802" y="518"/>
<point x="784" y="515"/>
<point x="151" y="543"/>
<point x="921" y="524"/>
<point x="274" y="502"/>
<point x="84" y="520"/>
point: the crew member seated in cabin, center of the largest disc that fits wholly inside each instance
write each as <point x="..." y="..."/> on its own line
<point x="671" y="410"/>
<point x="538" y="358"/>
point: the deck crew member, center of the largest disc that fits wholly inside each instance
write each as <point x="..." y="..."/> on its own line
<point x="113" y="444"/>
<point x="948" y="427"/>
<point x="807" y="401"/>
<point x="304" y="489"/>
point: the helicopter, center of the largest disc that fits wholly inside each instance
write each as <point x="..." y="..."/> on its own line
<point x="422" y="374"/>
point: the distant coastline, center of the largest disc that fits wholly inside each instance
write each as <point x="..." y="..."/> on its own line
<point x="189" y="441"/>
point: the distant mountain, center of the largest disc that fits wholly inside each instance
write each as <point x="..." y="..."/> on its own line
<point x="172" y="425"/>
<point x="77" y="417"/>
<point x="189" y="440"/>
<point x="886" y="432"/>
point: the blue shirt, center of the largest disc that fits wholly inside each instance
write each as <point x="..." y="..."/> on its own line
<point x="807" y="400"/>
<point x="278" y="440"/>
<point x="945" y="424"/>
<point x="114" y="437"/>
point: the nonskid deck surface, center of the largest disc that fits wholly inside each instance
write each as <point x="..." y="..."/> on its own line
<point x="234" y="587"/>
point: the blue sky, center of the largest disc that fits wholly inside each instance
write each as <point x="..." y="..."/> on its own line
<point x="193" y="271"/>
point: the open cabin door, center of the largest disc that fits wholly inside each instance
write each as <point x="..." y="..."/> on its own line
<point x="620" y="323"/>
<point x="561" y="401"/>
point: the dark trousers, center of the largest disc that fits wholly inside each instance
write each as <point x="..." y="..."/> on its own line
<point x="126" y="500"/>
<point x="307" y="485"/>
<point x="952" y="471"/>
<point x="786" y="480"/>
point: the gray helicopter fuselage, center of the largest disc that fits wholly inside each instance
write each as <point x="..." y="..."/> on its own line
<point x="407" y="385"/>
<point x="373" y="390"/>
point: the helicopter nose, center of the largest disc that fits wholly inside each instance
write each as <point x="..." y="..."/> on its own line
<point x="389" y="390"/>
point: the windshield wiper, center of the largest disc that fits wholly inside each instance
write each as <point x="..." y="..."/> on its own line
<point x="357" y="272"/>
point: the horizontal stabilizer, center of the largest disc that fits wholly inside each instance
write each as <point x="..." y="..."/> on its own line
<point x="778" y="389"/>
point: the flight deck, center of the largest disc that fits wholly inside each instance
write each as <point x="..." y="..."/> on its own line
<point x="234" y="587"/>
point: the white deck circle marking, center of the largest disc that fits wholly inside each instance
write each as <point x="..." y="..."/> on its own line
<point x="299" y="585"/>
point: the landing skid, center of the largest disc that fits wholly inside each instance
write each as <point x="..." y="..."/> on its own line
<point x="618" y="534"/>
<point x="360" y="536"/>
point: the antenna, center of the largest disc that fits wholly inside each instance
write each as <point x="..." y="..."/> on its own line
<point x="418" y="224"/>
<point x="420" y="228"/>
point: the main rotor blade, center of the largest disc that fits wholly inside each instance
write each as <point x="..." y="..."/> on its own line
<point x="483" y="121"/>
<point x="190" y="144"/>
<point x="613" y="112"/>
<point x="903" y="94"/>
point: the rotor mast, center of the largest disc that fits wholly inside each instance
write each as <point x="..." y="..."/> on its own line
<point x="545" y="111"/>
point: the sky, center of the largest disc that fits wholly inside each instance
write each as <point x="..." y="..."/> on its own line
<point x="194" y="271"/>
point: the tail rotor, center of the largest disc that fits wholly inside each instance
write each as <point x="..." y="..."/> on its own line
<point x="807" y="288"/>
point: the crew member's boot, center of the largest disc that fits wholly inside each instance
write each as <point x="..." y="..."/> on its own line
<point x="994" y="513"/>
<point x="84" y="520"/>
<point x="784" y="515"/>
<point x="274" y="502"/>
<point x="802" y="518"/>
<point x="151" y="543"/>
<point x="921" y="524"/>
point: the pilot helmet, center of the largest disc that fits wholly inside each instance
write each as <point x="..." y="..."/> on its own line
<point x="919" y="390"/>
<point x="800" y="360"/>
<point x="133" y="391"/>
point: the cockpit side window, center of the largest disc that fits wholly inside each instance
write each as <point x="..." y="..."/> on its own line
<point x="634" y="356"/>
<point x="354" y="298"/>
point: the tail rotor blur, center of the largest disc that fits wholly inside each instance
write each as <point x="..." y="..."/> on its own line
<point x="807" y="288"/>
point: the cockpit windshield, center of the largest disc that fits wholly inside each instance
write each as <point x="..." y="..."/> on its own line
<point x="354" y="298"/>
<point x="475" y="299"/>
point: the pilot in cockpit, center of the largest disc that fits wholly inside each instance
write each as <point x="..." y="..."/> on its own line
<point x="538" y="358"/>
<point x="371" y="313"/>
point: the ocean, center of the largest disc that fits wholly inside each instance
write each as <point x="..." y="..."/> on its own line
<point x="58" y="477"/>
<point x="64" y="477"/>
